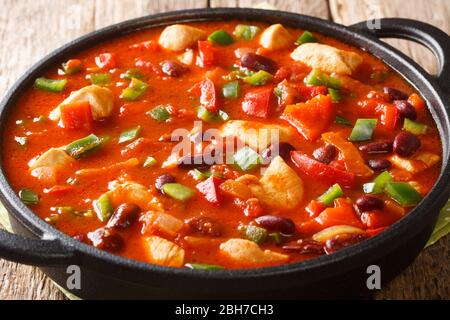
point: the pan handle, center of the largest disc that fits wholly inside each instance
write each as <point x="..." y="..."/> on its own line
<point x="431" y="37"/>
<point x="34" y="252"/>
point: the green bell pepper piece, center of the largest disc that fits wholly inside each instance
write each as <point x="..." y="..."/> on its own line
<point x="363" y="130"/>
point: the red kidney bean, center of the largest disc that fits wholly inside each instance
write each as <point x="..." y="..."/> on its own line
<point x="275" y="223"/>
<point x="395" y="94"/>
<point x="369" y="202"/>
<point x="406" y="109"/>
<point x="124" y="216"/>
<point x="405" y="144"/>
<point x="379" y="164"/>
<point x="163" y="179"/>
<point x="284" y="151"/>
<point x="192" y="162"/>
<point x="342" y="241"/>
<point x="256" y="62"/>
<point x="173" y="69"/>
<point x="205" y="226"/>
<point x="305" y="246"/>
<point x="325" y="154"/>
<point x="381" y="146"/>
<point x="106" y="239"/>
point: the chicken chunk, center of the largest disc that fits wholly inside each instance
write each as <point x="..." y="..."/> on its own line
<point x="179" y="37"/>
<point x="327" y="58"/>
<point x="131" y="192"/>
<point x="249" y="253"/>
<point x="275" y="37"/>
<point x="279" y="188"/>
<point x="417" y="163"/>
<point x="101" y="100"/>
<point x="257" y="135"/>
<point x="164" y="252"/>
<point x="50" y="164"/>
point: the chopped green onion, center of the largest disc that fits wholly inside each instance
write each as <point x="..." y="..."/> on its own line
<point x="246" y="158"/>
<point x="305" y="38"/>
<point x="254" y="233"/>
<point x="149" y="162"/>
<point x="231" y="90"/>
<point x="320" y="78"/>
<point x="208" y="116"/>
<point x="221" y="37"/>
<point x="103" y="208"/>
<point x="132" y="73"/>
<point x="414" y="127"/>
<point x="28" y="196"/>
<point x="238" y="74"/>
<point x="378" y="184"/>
<point x="100" y="79"/>
<point x="335" y="191"/>
<point x="199" y="175"/>
<point x="403" y="193"/>
<point x="21" y="141"/>
<point x="246" y="32"/>
<point x="335" y="95"/>
<point x="202" y="266"/>
<point x="275" y="237"/>
<point x="178" y="191"/>
<point x="342" y="121"/>
<point x="159" y="113"/>
<point x="84" y="146"/>
<point x="130" y="134"/>
<point x="50" y="85"/>
<point x="136" y="89"/>
<point x="259" y="78"/>
<point x="363" y="130"/>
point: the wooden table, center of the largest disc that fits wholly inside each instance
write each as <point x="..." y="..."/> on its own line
<point x="29" y="29"/>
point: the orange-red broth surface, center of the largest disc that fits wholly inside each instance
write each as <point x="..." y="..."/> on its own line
<point x="361" y="93"/>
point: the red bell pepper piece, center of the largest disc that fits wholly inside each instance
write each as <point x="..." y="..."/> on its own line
<point x="310" y="118"/>
<point x="76" y="115"/>
<point x="378" y="219"/>
<point x="314" y="208"/>
<point x="309" y="92"/>
<point x="207" y="54"/>
<point x="210" y="189"/>
<point x="257" y="102"/>
<point x="389" y="116"/>
<point x="208" y="95"/>
<point x="341" y="214"/>
<point x="321" y="170"/>
<point x="253" y="208"/>
<point x="106" y="60"/>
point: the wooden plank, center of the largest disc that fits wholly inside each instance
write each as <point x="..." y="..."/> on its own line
<point x="317" y="8"/>
<point x="428" y="277"/>
<point x="29" y="29"/>
<point x="435" y="12"/>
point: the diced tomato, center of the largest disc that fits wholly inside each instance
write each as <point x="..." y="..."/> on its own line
<point x="309" y="92"/>
<point x="257" y="102"/>
<point x="378" y="219"/>
<point x="253" y="208"/>
<point x="389" y="116"/>
<point x="322" y="171"/>
<point x="207" y="54"/>
<point x="374" y="232"/>
<point x="314" y="208"/>
<point x="210" y="189"/>
<point x="342" y="214"/>
<point x="58" y="190"/>
<point x="310" y="118"/>
<point x="106" y="60"/>
<point x="76" y="115"/>
<point x="295" y="72"/>
<point x="208" y="95"/>
<point x="417" y="102"/>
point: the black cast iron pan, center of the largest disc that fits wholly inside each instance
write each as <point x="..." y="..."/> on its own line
<point x="342" y="274"/>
